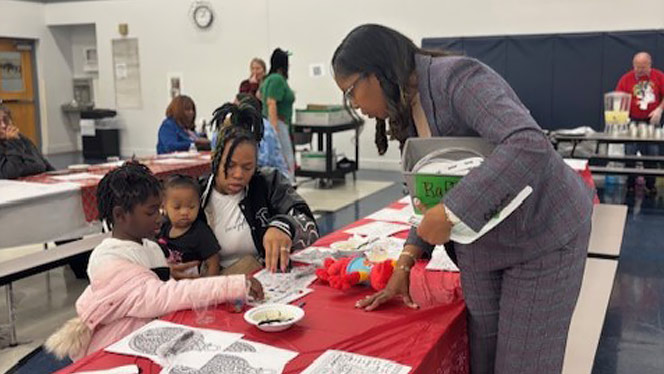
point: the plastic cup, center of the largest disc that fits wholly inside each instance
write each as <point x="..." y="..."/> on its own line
<point x="203" y="308"/>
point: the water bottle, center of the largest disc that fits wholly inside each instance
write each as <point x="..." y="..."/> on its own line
<point x="192" y="147"/>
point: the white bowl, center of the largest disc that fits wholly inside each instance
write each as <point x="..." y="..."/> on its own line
<point x="349" y="247"/>
<point x="290" y="314"/>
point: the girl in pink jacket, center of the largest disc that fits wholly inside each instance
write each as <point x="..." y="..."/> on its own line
<point x="130" y="281"/>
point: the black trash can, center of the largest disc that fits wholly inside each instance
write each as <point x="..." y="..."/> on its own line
<point x="106" y="141"/>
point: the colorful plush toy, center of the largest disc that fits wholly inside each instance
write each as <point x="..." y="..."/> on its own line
<point x="349" y="271"/>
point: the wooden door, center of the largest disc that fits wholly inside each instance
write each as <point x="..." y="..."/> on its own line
<point x="16" y="85"/>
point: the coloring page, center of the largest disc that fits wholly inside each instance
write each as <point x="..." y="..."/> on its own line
<point x="339" y="362"/>
<point x="161" y="340"/>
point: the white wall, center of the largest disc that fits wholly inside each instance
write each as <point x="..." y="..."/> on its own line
<point x="214" y="62"/>
<point x="25" y="20"/>
<point x="82" y="38"/>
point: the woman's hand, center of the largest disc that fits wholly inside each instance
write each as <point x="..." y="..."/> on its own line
<point x="398" y="285"/>
<point x="9" y="132"/>
<point x="435" y="228"/>
<point x="183" y="270"/>
<point x="277" y="249"/>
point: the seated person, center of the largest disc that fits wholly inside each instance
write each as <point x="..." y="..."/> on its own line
<point x="269" y="148"/>
<point x="240" y="201"/>
<point x="130" y="284"/>
<point x="184" y="236"/>
<point x="18" y="156"/>
<point x="176" y="132"/>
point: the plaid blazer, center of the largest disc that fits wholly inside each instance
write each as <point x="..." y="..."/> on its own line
<point x="463" y="97"/>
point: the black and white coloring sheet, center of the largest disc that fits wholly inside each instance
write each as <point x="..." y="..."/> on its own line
<point x="340" y="362"/>
<point x="283" y="288"/>
<point x="242" y="357"/>
<point x="181" y="349"/>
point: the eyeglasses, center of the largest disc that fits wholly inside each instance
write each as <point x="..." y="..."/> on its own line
<point x="349" y="93"/>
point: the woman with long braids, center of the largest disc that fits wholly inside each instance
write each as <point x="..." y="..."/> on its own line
<point x="520" y="280"/>
<point x="240" y="201"/>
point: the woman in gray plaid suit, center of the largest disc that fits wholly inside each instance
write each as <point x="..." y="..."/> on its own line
<point x="520" y="280"/>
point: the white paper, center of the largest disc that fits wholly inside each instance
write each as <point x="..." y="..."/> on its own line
<point x="405" y="200"/>
<point x="248" y="346"/>
<point x="126" y="63"/>
<point x="112" y="164"/>
<point x="174" y="161"/>
<point x="576" y="131"/>
<point x="150" y="341"/>
<point x="222" y="363"/>
<point x="379" y="229"/>
<point x="441" y="261"/>
<point x="463" y="234"/>
<point x="126" y="369"/>
<point x="339" y="362"/>
<point x="283" y="288"/>
<point x="12" y="192"/>
<point x="77" y="177"/>
<point x="243" y="356"/>
<point x="391" y="215"/>
<point x="87" y="127"/>
<point x="579" y="165"/>
<point x="313" y="255"/>
<point x="121" y="71"/>
<point x="188" y="154"/>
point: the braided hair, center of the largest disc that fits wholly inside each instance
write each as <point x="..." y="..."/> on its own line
<point x="245" y="124"/>
<point x="127" y="186"/>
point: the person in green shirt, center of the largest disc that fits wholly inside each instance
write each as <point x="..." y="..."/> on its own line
<point x="278" y="99"/>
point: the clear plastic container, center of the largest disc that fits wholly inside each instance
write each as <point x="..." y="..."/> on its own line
<point x="616" y="112"/>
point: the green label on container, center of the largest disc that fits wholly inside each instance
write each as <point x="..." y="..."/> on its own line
<point x="430" y="189"/>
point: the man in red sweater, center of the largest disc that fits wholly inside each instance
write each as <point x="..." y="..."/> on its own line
<point x="646" y="85"/>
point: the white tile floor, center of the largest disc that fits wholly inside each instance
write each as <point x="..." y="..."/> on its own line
<point x="333" y="199"/>
<point x="39" y="311"/>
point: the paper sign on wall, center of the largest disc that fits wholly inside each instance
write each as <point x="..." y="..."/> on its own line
<point x="127" y="74"/>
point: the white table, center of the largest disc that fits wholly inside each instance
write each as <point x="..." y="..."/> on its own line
<point x="608" y="227"/>
<point x="588" y="318"/>
<point x="37" y="213"/>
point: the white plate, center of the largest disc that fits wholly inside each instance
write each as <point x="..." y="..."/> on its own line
<point x="290" y="313"/>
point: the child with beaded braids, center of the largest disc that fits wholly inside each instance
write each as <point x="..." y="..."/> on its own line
<point x="129" y="277"/>
<point x="241" y="201"/>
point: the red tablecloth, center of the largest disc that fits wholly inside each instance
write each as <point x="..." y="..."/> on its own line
<point x="432" y="339"/>
<point x="195" y="167"/>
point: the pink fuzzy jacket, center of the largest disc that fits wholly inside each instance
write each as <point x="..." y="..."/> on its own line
<point x="124" y="296"/>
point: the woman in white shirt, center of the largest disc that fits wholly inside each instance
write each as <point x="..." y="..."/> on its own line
<point x="252" y="212"/>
